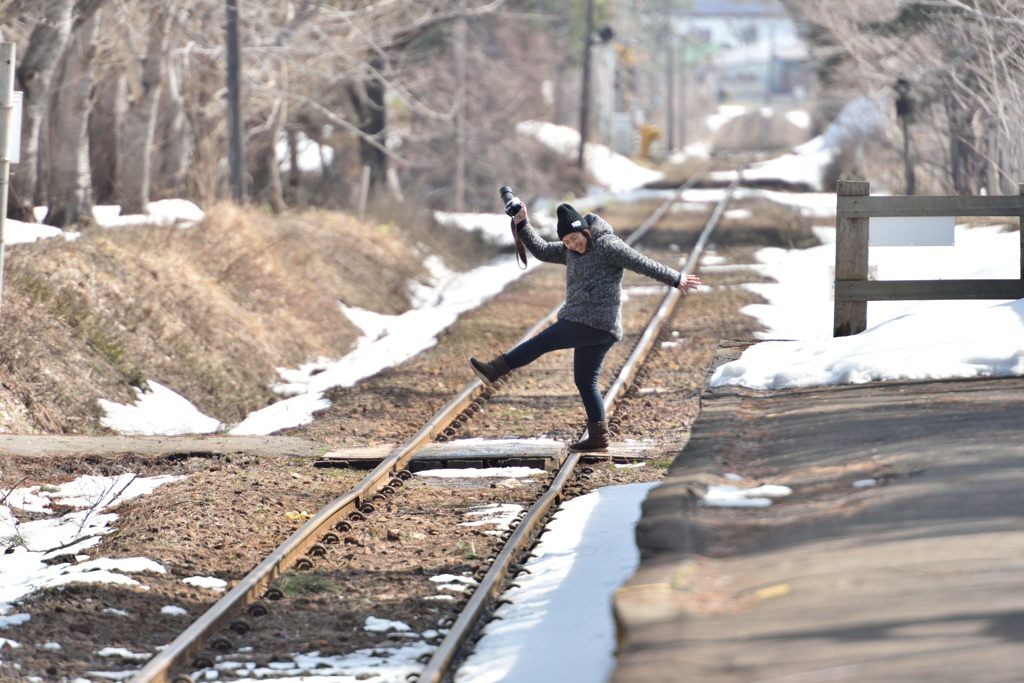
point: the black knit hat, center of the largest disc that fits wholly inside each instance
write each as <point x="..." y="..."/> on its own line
<point x="569" y="220"/>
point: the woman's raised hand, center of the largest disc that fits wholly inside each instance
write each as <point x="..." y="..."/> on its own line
<point x="520" y="217"/>
<point x="689" y="282"/>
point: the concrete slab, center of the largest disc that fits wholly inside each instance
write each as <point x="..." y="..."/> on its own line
<point x="47" y="445"/>
<point x="899" y="555"/>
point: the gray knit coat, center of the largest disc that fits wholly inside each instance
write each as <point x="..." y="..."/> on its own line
<point x="593" y="280"/>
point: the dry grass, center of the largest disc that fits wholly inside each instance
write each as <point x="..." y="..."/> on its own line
<point x="210" y="312"/>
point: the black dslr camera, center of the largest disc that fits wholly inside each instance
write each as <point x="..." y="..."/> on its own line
<point x="513" y="204"/>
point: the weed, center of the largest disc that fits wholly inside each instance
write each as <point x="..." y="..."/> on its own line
<point x="71" y="307"/>
<point x="467" y="550"/>
<point x="112" y="348"/>
<point x="304" y="584"/>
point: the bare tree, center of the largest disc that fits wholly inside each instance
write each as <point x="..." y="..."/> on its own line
<point x="371" y="81"/>
<point x="145" y="85"/>
<point x="69" y="187"/>
<point x="35" y="71"/>
<point x="964" y="61"/>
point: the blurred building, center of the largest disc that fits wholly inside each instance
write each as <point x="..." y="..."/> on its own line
<point x="671" y="64"/>
<point x="757" y="55"/>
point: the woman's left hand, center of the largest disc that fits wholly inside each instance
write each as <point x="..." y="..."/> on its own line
<point x="689" y="282"/>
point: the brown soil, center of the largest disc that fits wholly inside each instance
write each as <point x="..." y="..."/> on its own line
<point x="232" y="510"/>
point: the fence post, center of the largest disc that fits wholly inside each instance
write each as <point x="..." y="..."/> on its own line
<point x="7" y="51"/>
<point x="851" y="317"/>
<point x="1020" y="190"/>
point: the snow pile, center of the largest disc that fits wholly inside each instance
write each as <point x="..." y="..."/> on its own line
<point x="905" y="340"/>
<point x="491" y="227"/>
<point x="17" y="232"/>
<point x="179" y="212"/>
<point x="36" y="550"/>
<point x="562" y="604"/>
<point x="482" y="473"/>
<point x="804" y="167"/>
<point x="727" y="495"/>
<point x="725" y="113"/>
<point x="494" y="228"/>
<point x="609" y="169"/>
<point x="859" y="119"/>
<point x="157" y="411"/>
<point x="799" y="118"/>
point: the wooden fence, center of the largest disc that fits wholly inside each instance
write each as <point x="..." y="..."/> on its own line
<point x="853" y="290"/>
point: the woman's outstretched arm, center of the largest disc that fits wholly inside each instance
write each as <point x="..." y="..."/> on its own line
<point x="621" y="254"/>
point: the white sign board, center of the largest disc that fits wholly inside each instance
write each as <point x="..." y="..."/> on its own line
<point x="14" y="135"/>
<point x="911" y="231"/>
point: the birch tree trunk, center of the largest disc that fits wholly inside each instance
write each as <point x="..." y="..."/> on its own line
<point x="266" y="171"/>
<point x="135" y="153"/>
<point x="277" y="202"/>
<point x="173" y="138"/>
<point x="69" y="188"/>
<point x="35" y="73"/>
<point x="105" y="120"/>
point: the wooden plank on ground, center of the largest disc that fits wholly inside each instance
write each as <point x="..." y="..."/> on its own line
<point x="926" y="290"/>
<point x="545" y="453"/>
<point x="50" y="445"/>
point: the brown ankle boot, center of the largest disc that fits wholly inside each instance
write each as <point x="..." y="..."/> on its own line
<point x="597" y="438"/>
<point x="491" y="372"/>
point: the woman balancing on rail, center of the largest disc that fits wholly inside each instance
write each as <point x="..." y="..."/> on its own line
<point x="590" y="321"/>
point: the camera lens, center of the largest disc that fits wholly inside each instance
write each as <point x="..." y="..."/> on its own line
<point x="513" y="205"/>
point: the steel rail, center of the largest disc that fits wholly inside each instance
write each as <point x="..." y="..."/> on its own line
<point x="358" y="500"/>
<point x="492" y="583"/>
<point x="653" y="219"/>
<point x="668" y="304"/>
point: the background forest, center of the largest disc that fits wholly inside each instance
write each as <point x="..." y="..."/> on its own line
<point x="962" y="64"/>
<point x="126" y="101"/>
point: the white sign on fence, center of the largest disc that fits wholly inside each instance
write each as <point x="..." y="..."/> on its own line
<point x="911" y="231"/>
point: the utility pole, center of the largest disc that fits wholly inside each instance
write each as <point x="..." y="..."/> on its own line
<point x="7" y="52"/>
<point x="235" y="152"/>
<point x="670" y="75"/>
<point x="460" y="109"/>
<point x="904" y="110"/>
<point x="585" y="88"/>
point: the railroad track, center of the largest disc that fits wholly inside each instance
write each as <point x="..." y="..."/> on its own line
<point x="250" y="598"/>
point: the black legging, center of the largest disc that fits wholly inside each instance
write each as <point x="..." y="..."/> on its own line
<point x="591" y="345"/>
